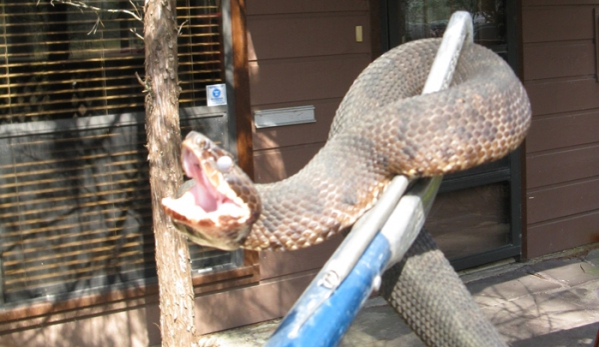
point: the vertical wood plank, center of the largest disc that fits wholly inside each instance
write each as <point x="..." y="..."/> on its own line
<point x="243" y="115"/>
<point x="596" y="32"/>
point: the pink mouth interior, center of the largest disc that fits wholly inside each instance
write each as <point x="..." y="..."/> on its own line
<point x="203" y="198"/>
<point x="205" y="194"/>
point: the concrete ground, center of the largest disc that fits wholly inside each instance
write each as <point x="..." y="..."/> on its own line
<point x="550" y="302"/>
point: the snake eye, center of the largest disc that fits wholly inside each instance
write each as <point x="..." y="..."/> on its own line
<point x="224" y="164"/>
<point x="203" y="144"/>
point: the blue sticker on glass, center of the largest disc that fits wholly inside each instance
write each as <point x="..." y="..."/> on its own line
<point x="216" y="95"/>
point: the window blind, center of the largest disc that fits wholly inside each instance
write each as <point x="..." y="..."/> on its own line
<point x="55" y="65"/>
<point x="74" y="194"/>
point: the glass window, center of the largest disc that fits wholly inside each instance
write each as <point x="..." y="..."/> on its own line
<point x="428" y="18"/>
<point x="471" y="221"/>
<point x="74" y="190"/>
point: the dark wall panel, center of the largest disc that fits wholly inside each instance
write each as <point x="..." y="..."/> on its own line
<point x="278" y="163"/>
<point x="256" y="7"/>
<point x="563" y="233"/>
<point x="558" y="2"/>
<point x="567" y="59"/>
<point x="562" y="201"/>
<point x="307" y="35"/>
<point x="556" y="23"/>
<point x="562" y="149"/>
<point x="564" y="95"/>
<point x="309" y="79"/>
<point x="574" y="164"/>
<point x="243" y="306"/>
<point x="563" y="130"/>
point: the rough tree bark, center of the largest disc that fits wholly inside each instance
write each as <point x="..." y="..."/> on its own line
<point x="164" y="142"/>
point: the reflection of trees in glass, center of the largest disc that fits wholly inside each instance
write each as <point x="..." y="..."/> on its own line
<point x="59" y="62"/>
<point x="435" y="10"/>
<point x="428" y="18"/>
<point x="24" y="42"/>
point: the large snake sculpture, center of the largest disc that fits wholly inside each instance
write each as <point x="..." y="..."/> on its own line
<point x="382" y="128"/>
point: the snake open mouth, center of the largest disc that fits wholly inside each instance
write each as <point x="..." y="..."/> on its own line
<point x="210" y="209"/>
<point x="205" y="194"/>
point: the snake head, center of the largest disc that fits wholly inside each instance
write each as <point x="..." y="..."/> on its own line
<point x="218" y="206"/>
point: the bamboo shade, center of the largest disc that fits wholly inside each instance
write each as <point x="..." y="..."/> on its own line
<point x="75" y="210"/>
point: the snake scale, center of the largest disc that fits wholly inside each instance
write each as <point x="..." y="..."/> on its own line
<point x="382" y="128"/>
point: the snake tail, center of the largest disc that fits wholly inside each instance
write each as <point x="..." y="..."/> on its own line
<point x="427" y="293"/>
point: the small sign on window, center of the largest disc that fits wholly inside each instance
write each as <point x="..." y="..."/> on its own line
<point x="216" y="95"/>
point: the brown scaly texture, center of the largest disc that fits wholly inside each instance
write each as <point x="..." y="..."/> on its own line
<point x="433" y="301"/>
<point x="384" y="127"/>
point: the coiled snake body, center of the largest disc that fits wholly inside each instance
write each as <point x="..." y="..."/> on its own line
<point x="382" y="128"/>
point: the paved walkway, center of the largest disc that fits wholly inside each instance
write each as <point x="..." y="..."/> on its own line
<point x="551" y="302"/>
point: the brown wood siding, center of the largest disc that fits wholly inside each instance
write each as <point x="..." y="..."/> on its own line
<point x="278" y="7"/>
<point x="303" y="80"/>
<point x="562" y="150"/>
<point x="301" y="54"/>
<point x="567" y="59"/>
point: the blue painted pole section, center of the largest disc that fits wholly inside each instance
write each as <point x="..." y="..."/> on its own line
<point x="329" y="322"/>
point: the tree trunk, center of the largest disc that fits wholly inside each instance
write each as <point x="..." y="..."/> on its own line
<point x="164" y="142"/>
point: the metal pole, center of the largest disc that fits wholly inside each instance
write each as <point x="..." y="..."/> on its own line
<point x="324" y="312"/>
<point x="316" y="320"/>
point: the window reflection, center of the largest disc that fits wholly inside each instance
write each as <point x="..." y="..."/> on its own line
<point x="472" y="220"/>
<point x="421" y="19"/>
